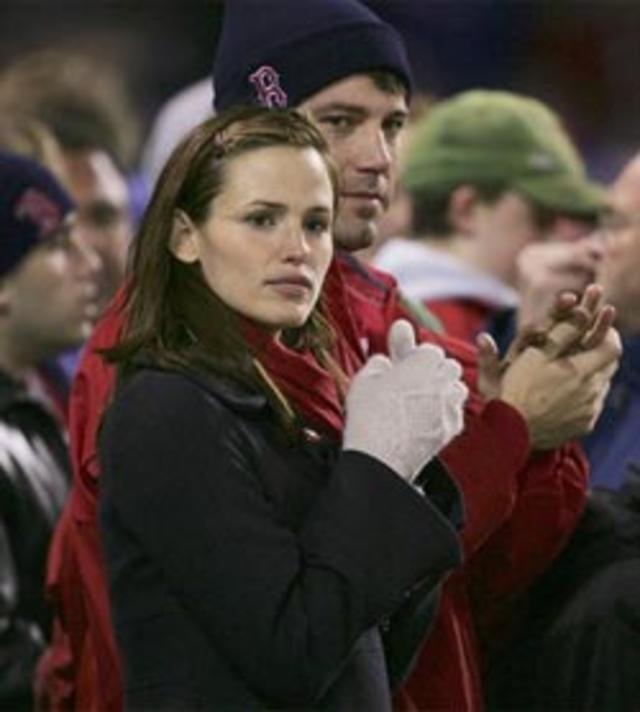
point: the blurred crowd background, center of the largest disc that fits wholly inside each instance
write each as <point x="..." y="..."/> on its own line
<point x="579" y="56"/>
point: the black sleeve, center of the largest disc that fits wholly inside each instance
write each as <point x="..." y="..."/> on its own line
<point x="8" y="578"/>
<point x="405" y="630"/>
<point x="284" y="607"/>
<point x="21" y="642"/>
<point x="436" y="483"/>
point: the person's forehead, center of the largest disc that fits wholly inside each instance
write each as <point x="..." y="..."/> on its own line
<point x="358" y="91"/>
<point x="261" y="174"/>
<point x="93" y="175"/>
<point x="518" y="201"/>
<point x="625" y="195"/>
<point x="518" y="208"/>
<point x="513" y="201"/>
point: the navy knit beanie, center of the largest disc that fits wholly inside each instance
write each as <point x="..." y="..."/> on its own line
<point x="279" y="52"/>
<point x="33" y="205"/>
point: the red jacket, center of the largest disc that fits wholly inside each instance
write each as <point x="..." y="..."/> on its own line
<point x="81" y="669"/>
<point x="520" y="507"/>
<point x="519" y="511"/>
<point x="462" y="318"/>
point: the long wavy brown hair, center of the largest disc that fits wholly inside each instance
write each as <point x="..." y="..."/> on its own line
<point x="171" y="314"/>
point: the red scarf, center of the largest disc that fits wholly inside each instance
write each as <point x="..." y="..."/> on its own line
<point x="309" y="387"/>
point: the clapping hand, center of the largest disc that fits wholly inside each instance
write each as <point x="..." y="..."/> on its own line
<point x="404" y="408"/>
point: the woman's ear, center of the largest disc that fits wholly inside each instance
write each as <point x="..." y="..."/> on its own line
<point x="183" y="242"/>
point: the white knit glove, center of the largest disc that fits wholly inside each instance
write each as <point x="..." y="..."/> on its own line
<point x="404" y="409"/>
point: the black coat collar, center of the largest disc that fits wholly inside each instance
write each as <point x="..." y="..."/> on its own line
<point x="235" y="395"/>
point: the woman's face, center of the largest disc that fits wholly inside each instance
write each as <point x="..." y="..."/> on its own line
<point x="267" y="244"/>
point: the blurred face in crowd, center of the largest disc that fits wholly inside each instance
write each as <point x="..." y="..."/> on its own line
<point x="267" y="243"/>
<point x="503" y="228"/>
<point x="361" y="124"/>
<point x="50" y="298"/>
<point x="100" y="192"/>
<point x="619" y="271"/>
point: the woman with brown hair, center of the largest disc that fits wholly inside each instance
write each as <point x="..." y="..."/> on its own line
<point x="257" y="558"/>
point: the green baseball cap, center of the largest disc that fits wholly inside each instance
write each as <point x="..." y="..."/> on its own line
<point x="499" y="139"/>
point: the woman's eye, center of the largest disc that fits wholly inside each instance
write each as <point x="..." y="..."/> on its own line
<point x="317" y="226"/>
<point x="261" y="220"/>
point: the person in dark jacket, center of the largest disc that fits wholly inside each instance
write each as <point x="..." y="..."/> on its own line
<point x="254" y="561"/>
<point x="46" y="305"/>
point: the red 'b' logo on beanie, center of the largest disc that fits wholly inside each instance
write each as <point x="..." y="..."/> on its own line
<point x="37" y="207"/>
<point x="266" y="82"/>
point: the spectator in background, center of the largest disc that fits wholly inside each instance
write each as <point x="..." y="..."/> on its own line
<point x="609" y="257"/>
<point x="27" y="137"/>
<point x="614" y="445"/>
<point x="488" y="173"/>
<point x="579" y="648"/>
<point x="47" y="304"/>
<point x="86" y="108"/>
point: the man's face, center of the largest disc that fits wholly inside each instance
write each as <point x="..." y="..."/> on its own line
<point x="100" y="192"/>
<point x="50" y="297"/>
<point x="361" y="124"/>
<point x="619" y="271"/>
<point x="505" y="227"/>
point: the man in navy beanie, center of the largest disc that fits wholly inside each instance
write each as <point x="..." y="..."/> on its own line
<point x="337" y="61"/>
<point x="340" y="63"/>
<point x="47" y="304"/>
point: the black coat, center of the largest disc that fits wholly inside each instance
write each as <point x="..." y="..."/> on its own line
<point x="246" y="574"/>
<point x="34" y="481"/>
<point x="578" y="648"/>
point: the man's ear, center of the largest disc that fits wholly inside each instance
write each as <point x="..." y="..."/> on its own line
<point x="461" y="212"/>
<point x="183" y="242"/>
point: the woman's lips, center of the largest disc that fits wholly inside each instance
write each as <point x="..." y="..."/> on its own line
<point x="292" y="286"/>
